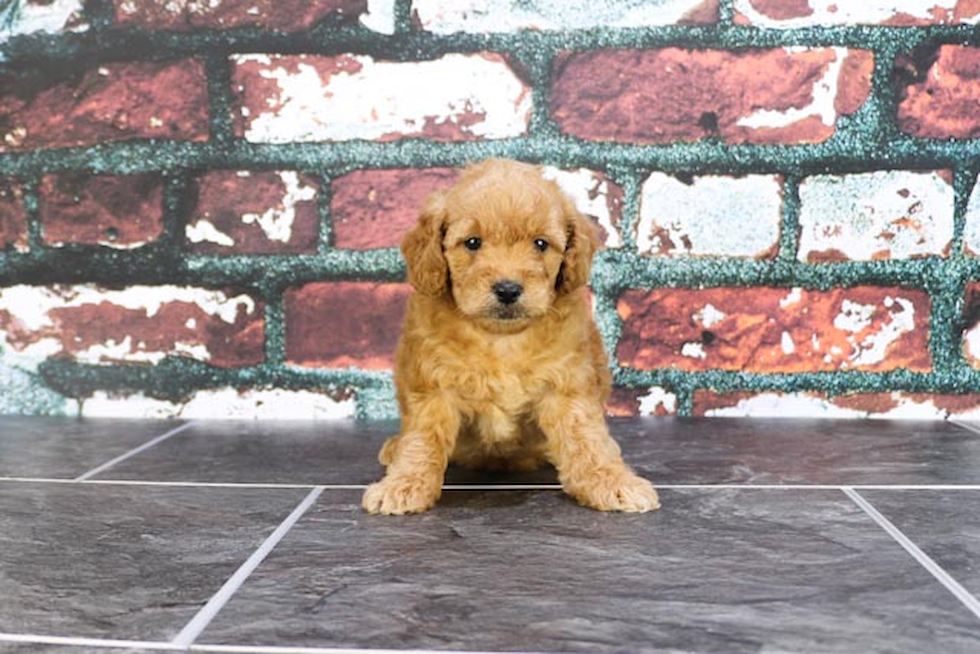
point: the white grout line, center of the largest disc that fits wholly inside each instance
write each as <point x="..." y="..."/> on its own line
<point x="481" y="487"/>
<point x="38" y="639"/>
<point x="499" y="487"/>
<point x="953" y="586"/>
<point x="199" y="622"/>
<point x="969" y="426"/>
<point x="220" y="484"/>
<point x="133" y="452"/>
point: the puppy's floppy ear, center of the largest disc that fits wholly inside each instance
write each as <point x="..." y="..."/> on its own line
<point x="428" y="271"/>
<point x="581" y="245"/>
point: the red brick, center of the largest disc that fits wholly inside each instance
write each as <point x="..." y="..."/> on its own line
<point x="801" y="13"/>
<point x="374" y="208"/>
<point x="943" y="101"/>
<point x="775" y="330"/>
<point x="343" y="324"/>
<point x="114" y="102"/>
<point x="13" y="219"/>
<point x="279" y="15"/>
<point x="117" y="211"/>
<point x="243" y="212"/>
<point x="750" y="96"/>
<point x="774" y="9"/>
<point x="135" y="324"/>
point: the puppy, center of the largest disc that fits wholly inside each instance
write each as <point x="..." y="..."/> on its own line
<point x="500" y="365"/>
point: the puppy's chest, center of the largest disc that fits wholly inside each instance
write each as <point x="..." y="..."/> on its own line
<point x="507" y="378"/>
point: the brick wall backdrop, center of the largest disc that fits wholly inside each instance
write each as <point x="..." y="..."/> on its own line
<point x="200" y="201"/>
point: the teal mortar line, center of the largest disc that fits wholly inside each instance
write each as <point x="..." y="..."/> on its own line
<point x="789" y="226"/>
<point x="869" y="140"/>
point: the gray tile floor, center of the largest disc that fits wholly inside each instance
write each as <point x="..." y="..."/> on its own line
<point x="774" y="536"/>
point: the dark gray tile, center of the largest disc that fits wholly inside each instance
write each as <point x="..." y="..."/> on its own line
<point x="942" y="523"/>
<point x="713" y="571"/>
<point x="668" y="451"/>
<point x="64" y="448"/>
<point x="799" y="451"/>
<point x="46" y="648"/>
<point x="129" y="562"/>
<point x="279" y="452"/>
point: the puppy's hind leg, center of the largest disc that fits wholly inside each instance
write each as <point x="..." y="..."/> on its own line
<point x="590" y="465"/>
<point x="416" y="460"/>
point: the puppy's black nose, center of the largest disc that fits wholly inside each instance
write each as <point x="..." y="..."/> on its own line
<point x="507" y="291"/>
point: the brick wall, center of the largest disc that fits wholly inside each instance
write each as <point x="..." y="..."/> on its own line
<point x="200" y="202"/>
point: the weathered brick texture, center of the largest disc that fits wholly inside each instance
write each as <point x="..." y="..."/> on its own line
<point x="116" y="211"/>
<point x="892" y="406"/>
<point x="138" y="324"/>
<point x="43" y="17"/>
<point x="13" y="220"/>
<point x="627" y="402"/>
<point x="228" y="403"/>
<point x="878" y="215"/>
<point x="201" y="202"/>
<point x="342" y="324"/>
<point x="803" y="13"/>
<point x="278" y="15"/>
<point x="40" y="108"/>
<point x="943" y="104"/>
<point x="310" y="98"/>
<point x="374" y="208"/>
<point x="498" y="16"/>
<point x="971" y="235"/>
<point x="245" y="212"/>
<point x="710" y="216"/>
<point x="787" y="95"/>
<point x="775" y="330"/>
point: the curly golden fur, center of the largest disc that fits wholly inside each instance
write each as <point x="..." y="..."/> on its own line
<point x="500" y="364"/>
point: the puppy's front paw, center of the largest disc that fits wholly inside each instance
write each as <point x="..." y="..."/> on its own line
<point x="615" y="490"/>
<point x="401" y="494"/>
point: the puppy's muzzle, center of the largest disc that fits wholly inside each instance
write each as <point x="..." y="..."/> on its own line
<point x="507" y="291"/>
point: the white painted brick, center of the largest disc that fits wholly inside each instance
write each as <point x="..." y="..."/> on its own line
<point x="971" y="231"/>
<point x="55" y="16"/>
<point x="971" y="346"/>
<point x="468" y="96"/>
<point x="712" y="216"/>
<point x="658" y="401"/>
<point x="30" y="333"/>
<point x="508" y="16"/>
<point x="592" y="195"/>
<point x="783" y="405"/>
<point x="223" y="404"/>
<point x="900" y="406"/>
<point x="380" y="16"/>
<point x="878" y="215"/>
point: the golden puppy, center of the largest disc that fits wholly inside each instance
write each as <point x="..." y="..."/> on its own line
<point x="500" y="364"/>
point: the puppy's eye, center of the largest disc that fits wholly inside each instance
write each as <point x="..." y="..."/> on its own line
<point x="472" y="244"/>
<point x="541" y="244"/>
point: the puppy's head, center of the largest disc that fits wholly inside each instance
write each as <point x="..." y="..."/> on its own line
<point x="503" y="243"/>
